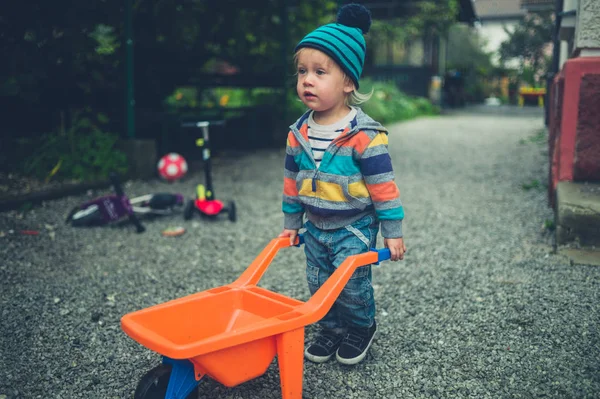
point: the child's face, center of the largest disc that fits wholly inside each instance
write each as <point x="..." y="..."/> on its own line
<point x="321" y="84"/>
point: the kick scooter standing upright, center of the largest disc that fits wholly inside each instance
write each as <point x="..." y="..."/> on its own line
<point x="205" y="202"/>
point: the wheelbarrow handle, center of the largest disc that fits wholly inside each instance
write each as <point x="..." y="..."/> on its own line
<point x="382" y="253"/>
<point x="300" y="239"/>
<point x="255" y="271"/>
<point x="257" y="268"/>
<point x="322" y="300"/>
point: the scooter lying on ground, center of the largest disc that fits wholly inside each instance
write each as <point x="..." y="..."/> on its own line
<point x="116" y="207"/>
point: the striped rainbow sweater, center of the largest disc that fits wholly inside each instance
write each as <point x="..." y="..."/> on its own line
<point x="354" y="179"/>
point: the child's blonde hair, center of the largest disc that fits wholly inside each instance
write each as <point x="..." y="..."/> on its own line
<point x="353" y="98"/>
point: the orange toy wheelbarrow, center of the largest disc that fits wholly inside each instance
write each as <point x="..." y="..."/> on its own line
<point x="232" y="333"/>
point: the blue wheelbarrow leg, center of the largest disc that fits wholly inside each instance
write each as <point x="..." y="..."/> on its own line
<point x="182" y="380"/>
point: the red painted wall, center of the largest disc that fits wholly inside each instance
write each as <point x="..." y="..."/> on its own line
<point x="574" y="123"/>
<point x="587" y="147"/>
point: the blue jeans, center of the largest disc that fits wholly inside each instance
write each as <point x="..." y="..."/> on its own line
<point x="325" y="251"/>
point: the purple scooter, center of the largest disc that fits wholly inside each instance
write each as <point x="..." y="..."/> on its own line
<point x="118" y="206"/>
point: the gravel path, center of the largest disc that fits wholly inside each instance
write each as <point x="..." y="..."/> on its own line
<point x="480" y="308"/>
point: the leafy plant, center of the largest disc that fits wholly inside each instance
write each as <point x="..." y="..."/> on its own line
<point x="528" y="43"/>
<point x="467" y="50"/>
<point x="389" y="39"/>
<point x="388" y="104"/>
<point x="539" y="138"/>
<point x="82" y="152"/>
<point x="533" y="184"/>
<point x="468" y="60"/>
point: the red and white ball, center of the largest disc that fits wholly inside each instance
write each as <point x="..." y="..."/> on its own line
<point x="172" y="166"/>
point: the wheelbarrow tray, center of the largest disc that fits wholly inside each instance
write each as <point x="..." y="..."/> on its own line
<point x="228" y="333"/>
<point x="212" y="320"/>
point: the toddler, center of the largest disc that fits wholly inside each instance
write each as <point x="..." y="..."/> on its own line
<point x="338" y="173"/>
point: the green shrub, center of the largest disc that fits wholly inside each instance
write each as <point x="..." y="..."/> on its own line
<point x="549" y="225"/>
<point x="388" y="104"/>
<point x="534" y="184"/>
<point x="81" y="152"/>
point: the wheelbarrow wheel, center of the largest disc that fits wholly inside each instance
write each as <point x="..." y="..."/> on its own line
<point x="153" y="384"/>
<point x="188" y="212"/>
<point x="231" y="211"/>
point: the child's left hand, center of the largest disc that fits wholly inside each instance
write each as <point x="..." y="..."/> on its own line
<point x="396" y="247"/>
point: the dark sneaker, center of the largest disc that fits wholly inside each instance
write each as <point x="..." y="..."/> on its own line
<point x="355" y="345"/>
<point x="324" y="347"/>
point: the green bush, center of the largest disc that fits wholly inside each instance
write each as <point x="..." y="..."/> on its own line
<point x="296" y="108"/>
<point x="388" y="104"/>
<point x="221" y="97"/>
<point x="81" y="152"/>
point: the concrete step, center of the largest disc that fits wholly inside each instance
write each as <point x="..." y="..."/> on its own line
<point x="582" y="256"/>
<point x="578" y="214"/>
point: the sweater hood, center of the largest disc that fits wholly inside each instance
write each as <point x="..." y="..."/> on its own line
<point x="362" y="121"/>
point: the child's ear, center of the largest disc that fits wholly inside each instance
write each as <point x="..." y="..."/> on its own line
<point x="348" y="86"/>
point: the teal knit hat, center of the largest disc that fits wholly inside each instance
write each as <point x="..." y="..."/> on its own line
<point x="343" y="40"/>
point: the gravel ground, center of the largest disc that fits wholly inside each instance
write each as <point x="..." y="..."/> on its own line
<point x="481" y="307"/>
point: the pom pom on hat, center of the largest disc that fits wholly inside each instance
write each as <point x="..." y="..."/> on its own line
<point x="355" y="16"/>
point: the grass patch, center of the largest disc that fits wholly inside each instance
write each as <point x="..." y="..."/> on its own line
<point x="534" y="184"/>
<point x="549" y="225"/>
<point x="541" y="137"/>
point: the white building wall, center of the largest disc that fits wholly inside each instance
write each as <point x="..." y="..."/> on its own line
<point x="564" y="53"/>
<point x="587" y="32"/>
<point x="567" y="31"/>
<point x="580" y="33"/>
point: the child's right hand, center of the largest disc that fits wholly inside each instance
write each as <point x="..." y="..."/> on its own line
<point x="396" y="247"/>
<point x="289" y="233"/>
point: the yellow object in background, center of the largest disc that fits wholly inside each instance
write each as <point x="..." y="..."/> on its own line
<point x="224" y="100"/>
<point x="504" y="82"/>
<point x="530" y="91"/>
<point x="200" y="192"/>
<point x="53" y="171"/>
